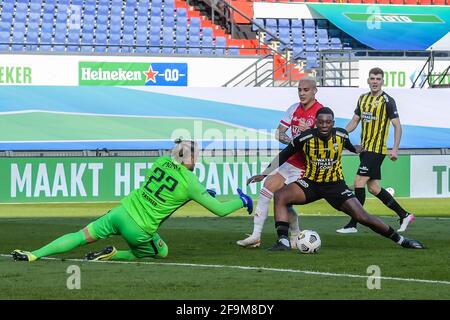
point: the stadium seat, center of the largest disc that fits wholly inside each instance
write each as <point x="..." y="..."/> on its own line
<point x="45" y="41"/>
<point x="233" y="50"/>
<point x="4" y="41"/>
<point x="257" y="24"/>
<point x="207" y="45"/>
<point x="194" y="44"/>
<point x="181" y="43"/>
<point x="221" y="44"/>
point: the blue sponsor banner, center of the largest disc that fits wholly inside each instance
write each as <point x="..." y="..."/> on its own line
<point x="167" y="74"/>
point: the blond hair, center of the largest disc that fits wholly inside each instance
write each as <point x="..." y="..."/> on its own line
<point x="184" y="151"/>
<point x="310" y="79"/>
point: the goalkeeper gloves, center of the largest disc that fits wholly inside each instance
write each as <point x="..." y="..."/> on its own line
<point x="211" y="192"/>
<point x="246" y="200"/>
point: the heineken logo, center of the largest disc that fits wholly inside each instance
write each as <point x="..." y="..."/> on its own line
<point x="393" y="17"/>
<point x="133" y="74"/>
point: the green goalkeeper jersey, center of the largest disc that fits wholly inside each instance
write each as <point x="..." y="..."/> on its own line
<point x="168" y="186"/>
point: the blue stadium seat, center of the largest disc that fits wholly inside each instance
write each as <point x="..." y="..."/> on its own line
<point x="155" y="22"/>
<point x="6" y="18"/>
<point x="194" y="22"/>
<point x="311" y="60"/>
<point x="257" y="24"/>
<point x="181" y="12"/>
<point x="45" y="41"/>
<point x="102" y="19"/>
<point x="309" y="24"/>
<point x="100" y="42"/>
<point x="181" y="43"/>
<point x="155" y="43"/>
<point x="310" y="33"/>
<point x="221" y="44"/>
<point x="169" y="21"/>
<point x="4" y="41"/>
<point x="19" y="27"/>
<point x="336" y="44"/>
<point x="127" y="43"/>
<point x="207" y="32"/>
<point x="168" y="11"/>
<point x="103" y="10"/>
<point x="271" y="31"/>
<point x="8" y="6"/>
<point x="194" y="44"/>
<point x="20" y="16"/>
<point x="156" y="11"/>
<point x="128" y="29"/>
<point x="47" y="18"/>
<point x="207" y="45"/>
<point x="115" y="29"/>
<point x="298" y="51"/>
<point x="114" y="43"/>
<point x="168" y="44"/>
<point x="143" y="11"/>
<point x="271" y="23"/>
<point x="284" y="23"/>
<point x="101" y="28"/>
<point x="73" y="40"/>
<point x="116" y="10"/>
<point x="32" y="41"/>
<point x="34" y="17"/>
<point x="182" y="22"/>
<point x="181" y="31"/>
<point x="233" y="51"/>
<point x="89" y="10"/>
<point x="142" y="21"/>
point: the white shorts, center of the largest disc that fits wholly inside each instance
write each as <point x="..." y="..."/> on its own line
<point x="289" y="172"/>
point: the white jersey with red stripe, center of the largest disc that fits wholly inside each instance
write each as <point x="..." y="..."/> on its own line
<point x="292" y="118"/>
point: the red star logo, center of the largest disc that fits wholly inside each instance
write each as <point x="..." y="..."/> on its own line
<point x="150" y="74"/>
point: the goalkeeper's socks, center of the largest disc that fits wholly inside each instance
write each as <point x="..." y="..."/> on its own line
<point x="123" y="255"/>
<point x="63" y="244"/>
<point x="391" y="203"/>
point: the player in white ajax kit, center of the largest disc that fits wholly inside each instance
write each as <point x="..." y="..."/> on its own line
<point x="299" y="117"/>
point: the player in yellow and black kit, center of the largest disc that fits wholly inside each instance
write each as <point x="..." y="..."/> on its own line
<point x="323" y="178"/>
<point x="376" y="110"/>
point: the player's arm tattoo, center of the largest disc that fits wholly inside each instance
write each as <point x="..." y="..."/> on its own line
<point x="281" y="135"/>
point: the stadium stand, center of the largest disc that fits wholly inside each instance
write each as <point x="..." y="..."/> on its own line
<point x="136" y="26"/>
<point x="407" y="2"/>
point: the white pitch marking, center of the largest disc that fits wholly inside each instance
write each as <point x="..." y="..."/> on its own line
<point x="218" y="266"/>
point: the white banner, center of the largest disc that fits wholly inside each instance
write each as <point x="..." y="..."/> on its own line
<point x="401" y="73"/>
<point x="430" y="176"/>
<point x="62" y="70"/>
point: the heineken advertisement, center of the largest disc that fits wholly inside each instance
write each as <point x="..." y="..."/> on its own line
<point x="111" y="178"/>
<point x="132" y="74"/>
<point x="389" y="27"/>
<point x="13" y="75"/>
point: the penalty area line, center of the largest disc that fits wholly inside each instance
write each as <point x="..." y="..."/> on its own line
<point x="218" y="266"/>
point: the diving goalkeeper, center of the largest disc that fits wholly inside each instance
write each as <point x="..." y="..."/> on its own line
<point x="169" y="185"/>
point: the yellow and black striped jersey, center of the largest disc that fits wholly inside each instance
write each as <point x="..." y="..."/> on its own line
<point x="375" y="114"/>
<point x="323" y="155"/>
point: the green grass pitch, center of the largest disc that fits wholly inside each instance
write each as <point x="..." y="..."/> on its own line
<point x="205" y="263"/>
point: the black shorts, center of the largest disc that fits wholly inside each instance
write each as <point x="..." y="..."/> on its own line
<point x="370" y="165"/>
<point x="335" y="193"/>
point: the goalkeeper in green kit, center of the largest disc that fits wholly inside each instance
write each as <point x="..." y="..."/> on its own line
<point x="170" y="184"/>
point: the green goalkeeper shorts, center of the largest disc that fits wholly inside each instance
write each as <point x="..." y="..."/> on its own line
<point x="118" y="221"/>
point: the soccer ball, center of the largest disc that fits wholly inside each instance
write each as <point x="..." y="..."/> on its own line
<point x="391" y="191"/>
<point x="308" y="241"/>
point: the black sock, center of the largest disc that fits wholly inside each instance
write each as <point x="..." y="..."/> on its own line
<point x="390" y="202"/>
<point x="360" y="194"/>
<point x="282" y="229"/>
<point x="394" y="236"/>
